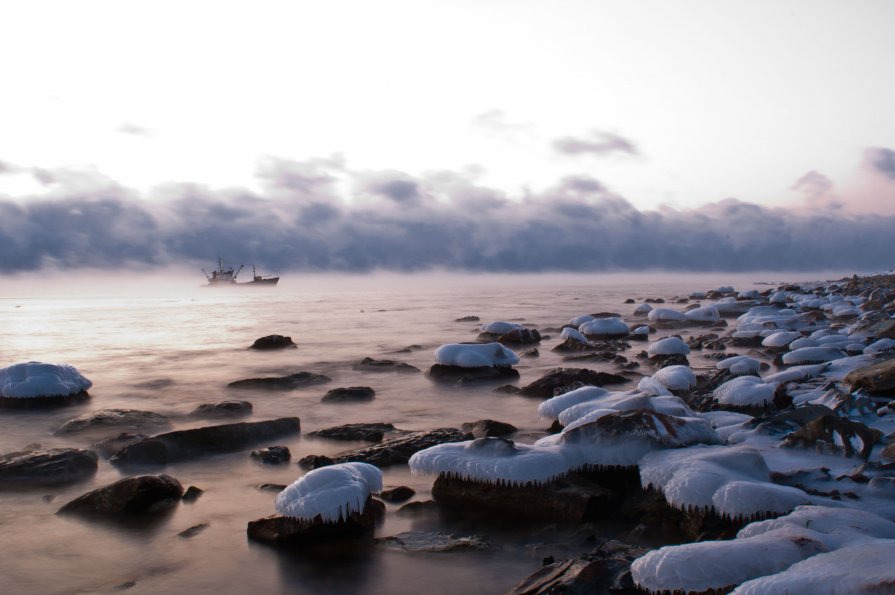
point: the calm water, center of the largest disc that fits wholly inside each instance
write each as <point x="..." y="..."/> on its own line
<point x="189" y="343"/>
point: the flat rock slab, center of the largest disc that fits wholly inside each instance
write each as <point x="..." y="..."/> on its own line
<point x="49" y="466"/>
<point x="371" y="432"/>
<point x="368" y="364"/>
<point x="433" y="542"/>
<point x="125" y="419"/>
<point x="875" y="378"/>
<point x="187" y="444"/>
<point x="222" y="409"/>
<point x="282" y="530"/>
<point x="393" y="452"/>
<point x="559" y="378"/>
<point x="112" y="444"/>
<point x="132" y="495"/>
<point x="290" y="382"/>
<point x="350" y="394"/>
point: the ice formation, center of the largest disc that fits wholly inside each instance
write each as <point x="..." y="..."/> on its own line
<point x="570" y="333"/>
<point x="676" y="378"/>
<point x="745" y="391"/>
<point x="703" y="314"/>
<point x="492" y="460"/>
<point x="665" y="315"/>
<point x="668" y="346"/>
<point x="37" y="379"/>
<point x="642" y="309"/>
<point x="812" y="355"/>
<point x="500" y="327"/>
<point x="551" y="408"/>
<point x="880" y="346"/>
<point x="332" y="493"/>
<point x="641" y="331"/>
<point x="605" y="327"/>
<point x="740" y="365"/>
<point x="475" y="355"/>
<point x="781" y="339"/>
<point x="579" y="320"/>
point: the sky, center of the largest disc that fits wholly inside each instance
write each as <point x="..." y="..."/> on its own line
<point x="490" y="135"/>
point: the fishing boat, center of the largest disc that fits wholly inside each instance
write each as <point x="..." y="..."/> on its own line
<point x="227" y="277"/>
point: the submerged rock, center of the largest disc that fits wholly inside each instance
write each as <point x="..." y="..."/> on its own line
<point x="391" y="452"/>
<point x="433" y="542"/>
<point x="187" y="444"/>
<point x="370" y="432"/>
<point x="558" y="378"/>
<point x="273" y="342"/>
<point x="109" y="446"/>
<point x="349" y="394"/>
<point x="222" y="409"/>
<point x="290" y="382"/>
<point x="132" y="495"/>
<point x="46" y="466"/>
<point x="132" y="419"/>
<point x="397" y="494"/>
<point x="368" y="364"/>
<point x="284" y="530"/>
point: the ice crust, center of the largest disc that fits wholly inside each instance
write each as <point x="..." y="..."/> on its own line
<point x="469" y="355"/>
<point x="812" y="355"/>
<point x="332" y="493"/>
<point x="37" y="379"/>
<point x="740" y="365"/>
<point x="745" y="391"/>
<point x="703" y="314"/>
<point x="665" y="315"/>
<point x="605" y="326"/>
<point x="669" y="346"/>
<point x="676" y="377"/>
<point x="570" y="333"/>
<point x="500" y="327"/>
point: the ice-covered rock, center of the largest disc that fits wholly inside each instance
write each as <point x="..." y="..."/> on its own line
<point x="740" y="365"/>
<point x="676" y="378"/>
<point x="38" y="380"/>
<point x="570" y="334"/>
<point x="331" y="493"/>
<point x="500" y="327"/>
<point x="780" y="340"/>
<point x="468" y="355"/>
<point x="605" y="328"/>
<point x="665" y="315"/>
<point x="551" y="408"/>
<point x="812" y="355"/>
<point x="746" y="391"/>
<point x="880" y="346"/>
<point x="703" y="315"/>
<point x="579" y="320"/>
<point x="668" y="346"/>
<point x="642" y="309"/>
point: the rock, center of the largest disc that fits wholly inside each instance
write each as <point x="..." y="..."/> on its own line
<point x="132" y="495"/>
<point x="271" y="487"/>
<point x="349" y="395"/>
<point x="878" y="377"/>
<point x="607" y="569"/>
<point x="370" y="432"/>
<point x="520" y="336"/>
<point x="293" y="381"/>
<point x="831" y="433"/>
<point x="570" y="499"/>
<point x="193" y="531"/>
<point x="222" y="409"/>
<point x="427" y="541"/>
<point x="468" y="319"/>
<point x="182" y="445"/>
<point x="398" y="451"/>
<point x="49" y="466"/>
<point x="779" y="422"/>
<point x="630" y="301"/>
<point x="666" y="360"/>
<point x="192" y="494"/>
<point x="109" y="446"/>
<point x="461" y="375"/>
<point x="273" y="342"/>
<point x="507" y="389"/>
<point x="397" y="494"/>
<point x="533" y="352"/>
<point x="44" y="402"/>
<point x="558" y="378"/>
<point x="485" y="428"/>
<point x="283" y="530"/>
<point x="368" y="364"/>
<point x="272" y="455"/>
<point x="419" y="507"/>
<point x="131" y="419"/>
<point x="314" y="461"/>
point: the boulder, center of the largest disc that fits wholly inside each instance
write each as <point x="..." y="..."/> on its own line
<point x="130" y="419"/>
<point x="368" y="364"/>
<point x="520" y="336"/>
<point x="222" y="409"/>
<point x="187" y="444"/>
<point x="351" y="394"/>
<point x="878" y="377"/>
<point x="192" y="494"/>
<point x="396" y="451"/>
<point x="272" y="342"/>
<point x="272" y="455"/>
<point x="109" y="446"/>
<point x="370" y="432"/>
<point x="49" y="466"/>
<point x="132" y="495"/>
<point x="558" y="378"/>
<point x="464" y="375"/>
<point x="290" y="382"/>
<point x="397" y="494"/>
<point x="282" y="530"/>
<point x="486" y="428"/>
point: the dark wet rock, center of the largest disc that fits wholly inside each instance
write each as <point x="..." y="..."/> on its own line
<point x="193" y="531"/>
<point x="573" y="346"/>
<point x="606" y="315"/>
<point x="433" y="542"/>
<point x="290" y="382"/>
<point x="654" y="301"/>
<point x="368" y="432"/>
<point x="131" y="495"/>
<point x="271" y="487"/>
<point x="486" y="428"/>
<point x="673" y="359"/>
<point x="51" y="402"/>
<point x="351" y="394"/>
<point x="272" y="342"/>
<point x="519" y="336"/>
<point x="831" y="433"/>
<point x="747" y="341"/>
<point x="192" y="494"/>
<point x="222" y="409"/>
<point x="368" y="364"/>
<point x="507" y="389"/>
<point x="460" y="375"/>
<point x="109" y="446"/>
<point x="283" y="530"/>
<point x="272" y="455"/>
<point x="607" y="569"/>
<point x="187" y="444"/>
<point x="557" y="378"/>
<point x="131" y="419"/>
<point x="315" y="461"/>
<point x="790" y="420"/>
<point x="408" y="349"/>
<point x="468" y="319"/>
<point x="397" y="494"/>
<point x="570" y="499"/>
<point x="49" y="466"/>
<point x="419" y="507"/>
<point x="532" y="353"/>
<point x="398" y="451"/>
<point x="878" y="377"/>
<point x="594" y="356"/>
<point x="630" y="301"/>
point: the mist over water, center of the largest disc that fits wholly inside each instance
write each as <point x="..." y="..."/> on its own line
<point x="161" y="343"/>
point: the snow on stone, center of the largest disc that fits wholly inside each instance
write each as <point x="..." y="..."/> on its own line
<point x="500" y="327"/>
<point x="665" y="315"/>
<point x="551" y="408"/>
<point x="703" y="314"/>
<point x="780" y="339"/>
<point x="605" y="327"/>
<point x="729" y="306"/>
<point x="722" y="419"/>
<point x="570" y="333"/>
<point x="697" y="295"/>
<point x="651" y="387"/>
<point x="797" y="373"/>
<point x="676" y="378"/>
<point x="642" y="309"/>
<point x="641" y="331"/>
<point x="745" y="391"/>
<point x="669" y="346"/>
<point x="492" y="460"/>
<point x="812" y="355"/>
<point x="740" y="365"/>
<point x="37" y="379"/>
<point x="779" y="297"/>
<point x="725" y="289"/>
<point x="583" y="412"/>
<point x="749" y="294"/>
<point x="880" y="346"/>
<point x="803" y="342"/>
<point x="332" y="493"/>
<point x="469" y="355"/>
<point x="579" y="320"/>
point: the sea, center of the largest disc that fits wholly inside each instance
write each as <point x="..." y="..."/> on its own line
<point x="168" y="346"/>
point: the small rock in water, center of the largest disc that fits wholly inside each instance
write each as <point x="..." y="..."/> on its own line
<point x="132" y="495"/>
<point x="507" y="389"/>
<point x="397" y="494"/>
<point x="426" y="541"/>
<point x="560" y="377"/>
<point x="284" y="530"/>
<point x="192" y="494"/>
<point x="368" y="364"/>
<point x="109" y="446"/>
<point x="350" y="394"/>
<point x="315" y="462"/>
<point x="468" y="319"/>
<point x="369" y="432"/>
<point x="272" y="342"/>
<point x="222" y="409"/>
<point x="290" y="382"/>
<point x="271" y="487"/>
<point x="485" y="428"/>
<point x="46" y="466"/>
<point x="272" y="455"/>
<point x="112" y="418"/>
<point x="193" y="531"/>
<point x="533" y="352"/>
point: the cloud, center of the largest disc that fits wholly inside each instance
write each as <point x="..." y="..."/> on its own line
<point x="301" y="220"/>
<point x="497" y="123"/>
<point x="596" y="143"/>
<point x="881" y="160"/>
<point x="817" y="190"/>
